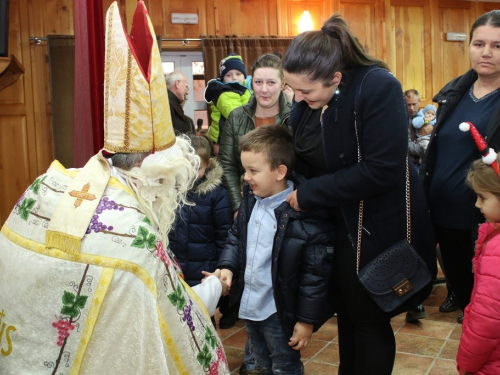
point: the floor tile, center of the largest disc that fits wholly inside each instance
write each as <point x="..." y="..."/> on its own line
<point x="327" y="332"/>
<point x="421" y="345"/>
<point x="313" y="348"/>
<point x="236" y="340"/>
<point x="430" y="328"/>
<point x="330" y="354"/>
<point x="407" y="364"/>
<point x="450" y="350"/>
<point x="457" y="332"/>
<point x="314" y="368"/>
<point x="443" y="367"/>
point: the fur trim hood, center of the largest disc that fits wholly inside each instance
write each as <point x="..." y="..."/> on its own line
<point x="212" y="179"/>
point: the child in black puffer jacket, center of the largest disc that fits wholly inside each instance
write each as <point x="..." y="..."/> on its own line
<point x="200" y="230"/>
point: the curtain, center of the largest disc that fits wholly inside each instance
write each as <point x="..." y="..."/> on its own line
<point x="215" y="48"/>
<point x="88" y="136"/>
<point x="61" y="49"/>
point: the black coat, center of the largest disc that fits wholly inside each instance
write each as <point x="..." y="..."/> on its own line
<point x="182" y="124"/>
<point x="301" y="262"/>
<point x="379" y="180"/>
<point x="199" y="232"/>
<point x="448" y="99"/>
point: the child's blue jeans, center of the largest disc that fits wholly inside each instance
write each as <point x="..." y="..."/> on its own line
<point x="271" y="350"/>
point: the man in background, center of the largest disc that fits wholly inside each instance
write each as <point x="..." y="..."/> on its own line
<point x="178" y="90"/>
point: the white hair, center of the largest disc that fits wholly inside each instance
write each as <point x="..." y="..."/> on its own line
<point x="162" y="181"/>
<point x="174" y="76"/>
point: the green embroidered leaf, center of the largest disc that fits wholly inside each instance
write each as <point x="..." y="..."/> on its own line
<point x="151" y="241"/>
<point x="80" y="301"/>
<point x="147" y="221"/>
<point x="138" y="242"/>
<point x="210" y="338"/>
<point x="204" y="357"/>
<point x="36" y="185"/>
<point x="143" y="232"/>
<point x="70" y="310"/>
<point x="177" y="298"/>
<point x="68" y="298"/>
<point x="25" y="207"/>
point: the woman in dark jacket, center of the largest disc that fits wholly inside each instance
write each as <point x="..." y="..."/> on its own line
<point x="473" y="97"/>
<point x="267" y="106"/>
<point x="200" y="230"/>
<point x="348" y="103"/>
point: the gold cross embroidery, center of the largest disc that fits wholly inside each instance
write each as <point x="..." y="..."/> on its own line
<point x="81" y="195"/>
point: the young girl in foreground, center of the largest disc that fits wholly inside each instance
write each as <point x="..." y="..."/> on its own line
<point x="479" y="350"/>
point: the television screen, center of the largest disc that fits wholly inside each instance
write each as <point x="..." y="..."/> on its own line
<point x="4" y="28"/>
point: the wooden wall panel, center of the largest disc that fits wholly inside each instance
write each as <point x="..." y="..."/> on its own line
<point x="364" y="18"/>
<point x="411" y="53"/>
<point x="14" y="162"/>
<point x="453" y="57"/>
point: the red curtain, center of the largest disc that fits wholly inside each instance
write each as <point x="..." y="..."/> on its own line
<point x="88" y="136"/>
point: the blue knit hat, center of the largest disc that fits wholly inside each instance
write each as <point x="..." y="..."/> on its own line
<point x="428" y="107"/>
<point x="233" y="61"/>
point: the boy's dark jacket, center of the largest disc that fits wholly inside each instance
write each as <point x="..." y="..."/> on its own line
<point x="302" y="258"/>
<point x="200" y="231"/>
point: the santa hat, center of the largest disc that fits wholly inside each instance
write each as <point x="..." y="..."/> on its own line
<point x="489" y="155"/>
<point x="136" y="110"/>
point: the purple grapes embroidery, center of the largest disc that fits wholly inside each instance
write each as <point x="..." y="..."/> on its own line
<point x="105" y="204"/>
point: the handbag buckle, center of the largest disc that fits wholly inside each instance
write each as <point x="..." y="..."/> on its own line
<point x="403" y="287"/>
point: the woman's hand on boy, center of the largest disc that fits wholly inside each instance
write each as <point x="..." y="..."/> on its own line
<point x="302" y="333"/>
<point x="292" y="200"/>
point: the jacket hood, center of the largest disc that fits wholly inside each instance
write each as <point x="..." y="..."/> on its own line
<point x="212" y="179"/>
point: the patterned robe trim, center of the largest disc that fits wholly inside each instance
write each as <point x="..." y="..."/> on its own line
<point x="110" y="263"/>
<point x="95" y="308"/>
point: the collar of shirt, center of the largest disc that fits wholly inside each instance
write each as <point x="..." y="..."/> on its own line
<point x="275" y="200"/>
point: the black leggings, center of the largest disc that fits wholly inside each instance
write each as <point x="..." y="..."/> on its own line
<point x="366" y="339"/>
<point x="457" y="251"/>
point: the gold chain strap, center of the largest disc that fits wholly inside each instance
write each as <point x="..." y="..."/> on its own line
<point x="360" y="216"/>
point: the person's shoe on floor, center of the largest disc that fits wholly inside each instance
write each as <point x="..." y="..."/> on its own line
<point x="450" y="304"/>
<point x="416" y="314"/>
<point x="228" y="319"/>
<point x="460" y="318"/>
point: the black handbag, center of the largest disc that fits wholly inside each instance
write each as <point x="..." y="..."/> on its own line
<point x="399" y="273"/>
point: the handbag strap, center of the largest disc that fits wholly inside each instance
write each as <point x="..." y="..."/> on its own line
<point x="360" y="217"/>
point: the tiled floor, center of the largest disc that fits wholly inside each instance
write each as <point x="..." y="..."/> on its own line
<point x="428" y="347"/>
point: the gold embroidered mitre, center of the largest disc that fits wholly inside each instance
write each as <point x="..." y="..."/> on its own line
<point x="136" y="110"/>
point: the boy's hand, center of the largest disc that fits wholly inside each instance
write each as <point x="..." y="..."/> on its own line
<point x="227" y="277"/>
<point x="217" y="274"/>
<point x="302" y="333"/>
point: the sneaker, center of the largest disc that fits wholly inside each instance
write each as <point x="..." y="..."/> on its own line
<point x="245" y="371"/>
<point x="450" y="304"/>
<point x="229" y="319"/>
<point x="460" y="318"/>
<point x="416" y="314"/>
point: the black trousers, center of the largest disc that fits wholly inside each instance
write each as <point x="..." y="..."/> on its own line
<point x="457" y="251"/>
<point x="366" y="339"/>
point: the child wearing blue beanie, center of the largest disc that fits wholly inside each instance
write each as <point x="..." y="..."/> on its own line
<point x="231" y="90"/>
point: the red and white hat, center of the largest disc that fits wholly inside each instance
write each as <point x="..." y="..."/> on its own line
<point x="489" y="155"/>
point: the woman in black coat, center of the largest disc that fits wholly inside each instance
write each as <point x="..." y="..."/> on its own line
<point x="348" y="102"/>
<point x="472" y="97"/>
